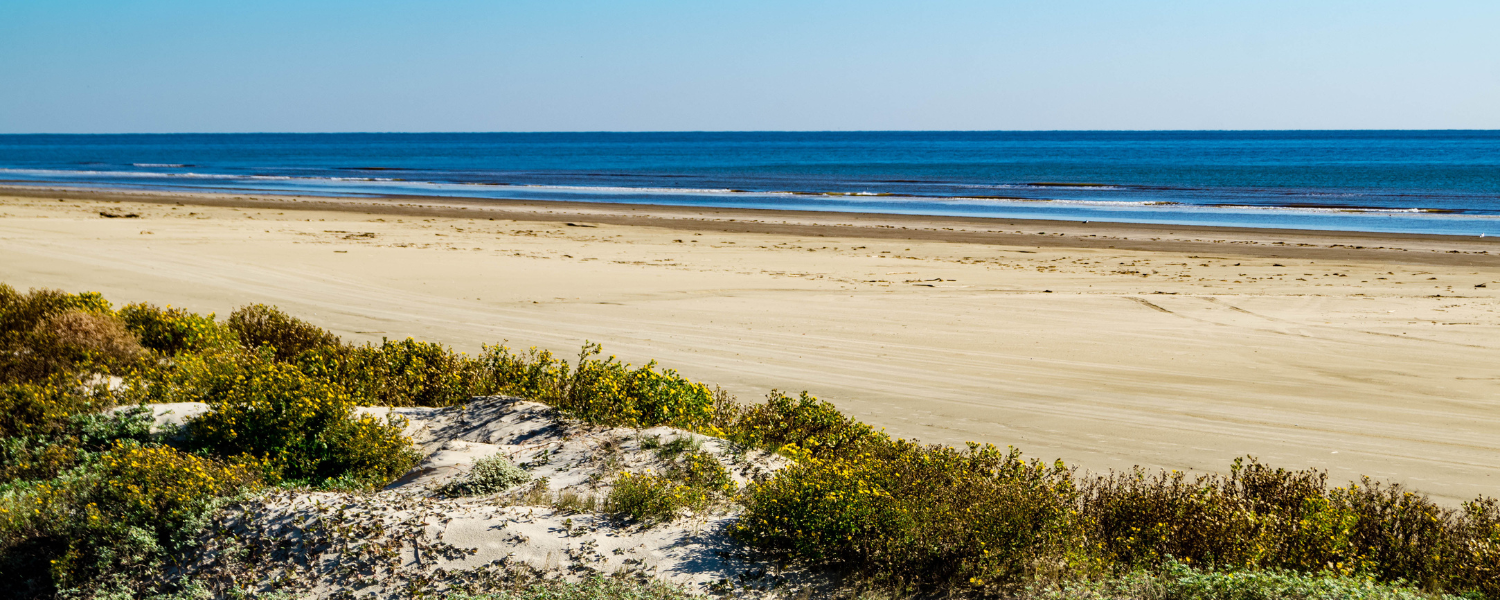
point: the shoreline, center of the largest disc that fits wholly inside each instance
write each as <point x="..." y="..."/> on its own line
<point x="1250" y="242"/>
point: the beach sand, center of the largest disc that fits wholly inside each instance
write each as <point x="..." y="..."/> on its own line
<point x="1105" y="345"/>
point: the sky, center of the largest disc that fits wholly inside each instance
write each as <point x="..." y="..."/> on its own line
<point x="122" y="66"/>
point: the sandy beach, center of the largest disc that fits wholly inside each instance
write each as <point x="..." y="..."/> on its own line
<point x="1105" y="345"/>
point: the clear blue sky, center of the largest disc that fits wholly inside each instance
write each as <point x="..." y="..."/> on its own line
<point x="564" y="65"/>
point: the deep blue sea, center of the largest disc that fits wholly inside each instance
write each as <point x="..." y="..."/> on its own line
<point x="1398" y="181"/>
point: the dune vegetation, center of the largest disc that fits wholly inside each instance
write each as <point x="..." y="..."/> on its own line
<point x="95" y="504"/>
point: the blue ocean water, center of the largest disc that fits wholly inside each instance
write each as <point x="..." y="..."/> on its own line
<point x="1394" y="181"/>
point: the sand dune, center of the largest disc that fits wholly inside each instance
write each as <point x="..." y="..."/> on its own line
<point x="1179" y="347"/>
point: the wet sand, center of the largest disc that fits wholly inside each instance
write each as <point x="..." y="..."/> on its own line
<point x="1106" y="345"/>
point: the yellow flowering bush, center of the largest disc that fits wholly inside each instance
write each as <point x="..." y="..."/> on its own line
<point x="610" y="392"/>
<point x="1258" y="517"/>
<point x="403" y="373"/>
<point x="121" y="517"/>
<point x="701" y="470"/>
<point x="171" y="331"/>
<point x="1477" y="560"/>
<point x="803" y="421"/>
<point x="304" y="428"/>
<point x="604" y="391"/>
<point x="925" y="518"/>
<point x="648" y="498"/>
<point x="48" y="428"/>
<point x="42" y="409"/>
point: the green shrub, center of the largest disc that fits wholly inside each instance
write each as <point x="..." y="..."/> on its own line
<point x="119" y="518"/>
<point x="1258" y="517"/>
<point x="536" y="375"/>
<point x="21" y="313"/>
<point x="43" y="409"/>
<point x="171" y="331"/>
<point x="930" y="518"/>
<point x="805" y="422"/>
<point x="259" y="325"/>
<point x="305" y="428"/>
<point x="404" y="373"/>
<point x="1477" y="557"/>
<point x="701" y="470"/>
<point x="49" y="451"/>
<point x="651" y="499"/>
<point x="604" y="391"/>
<point x="490" y="475"/>
<point x="47" y="332"/>
<point x="1397" y="534"/>
<point x="1140" y="518"/>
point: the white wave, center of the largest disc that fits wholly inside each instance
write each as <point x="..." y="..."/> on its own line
<point x="158" y="165"/>
<point x="630" y="190"/>
<point x="137" y="174"/>
<point x="150" y="175"/>
<point x="1030" y="186"/>
<point x="1193" y="207"/>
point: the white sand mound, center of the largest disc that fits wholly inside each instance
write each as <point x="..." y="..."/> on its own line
<point x="407" y="537"/>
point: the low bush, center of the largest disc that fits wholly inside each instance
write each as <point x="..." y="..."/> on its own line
<point x="46" y="333"/>
<point x="21" y="313"/>
<point x="1477" y="556"/>
<point x="113" y="524"/>
<point x="404" y="373"/>
<point x="82" y="340"/>
<point x="490" y="475"/>
<point x="171" y="331"/>
<point x="1139" y="518"/>
<point x="44" y="409"/>
<point x="1258" y="517"/>
<point x="651" y="499"/>
<point x="931" y="518"/>
<point x="259" y="325"/>
<point x="69" y="432"/>
<point x="804" y="422"/>
<point x="604" y="391"/>
<point x="700" y="470"/>
<point x="304" y="428"/>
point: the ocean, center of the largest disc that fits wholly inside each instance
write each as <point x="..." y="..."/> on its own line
<point x="1444" y="182"/>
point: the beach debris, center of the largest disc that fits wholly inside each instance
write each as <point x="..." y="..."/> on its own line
<point x="110" y="215"/>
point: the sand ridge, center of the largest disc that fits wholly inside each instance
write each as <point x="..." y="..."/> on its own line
<point x="409" y="539"/>
<point x="1376" y="360"/>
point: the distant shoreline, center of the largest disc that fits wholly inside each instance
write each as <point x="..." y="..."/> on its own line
<point x="1398" y="248"/>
